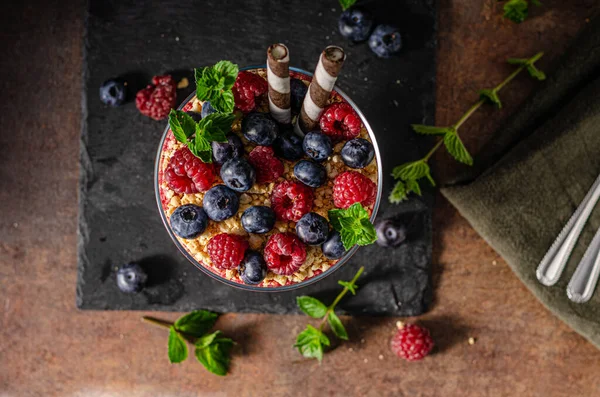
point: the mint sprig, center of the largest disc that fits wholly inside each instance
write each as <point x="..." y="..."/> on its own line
<point x="409" y="175"/>
<point x="346" y="4"/>
<point x="518" y="10"/>
<point x="214" y="84"/>
<point x="211" y="350"/>
<point x="354" y="225"/>
<point x="311" y="342"/>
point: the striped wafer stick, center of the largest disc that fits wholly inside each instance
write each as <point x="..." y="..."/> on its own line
<point x="328" y="68"/>
<point x="278" y="77"/>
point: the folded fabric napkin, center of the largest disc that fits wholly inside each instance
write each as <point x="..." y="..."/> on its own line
<point x="535" y="173"/>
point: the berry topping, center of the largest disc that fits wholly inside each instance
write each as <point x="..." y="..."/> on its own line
<point x="186" y="173"/>
<point x="253" y="268"/>
<point x="358" y="153"/>
<point x="260" y="128"/>
<point x="113" y="92"/>
<point x="385" y="41"/>
<point x="158" y="98"/>
<point x="412" y="342"/>
<point x="284" y="253"/>
<point x="207" y="109"/>
<point x="310" y="173"/>
<point x="298" y="91"/>
<point x="268" y="168"/>
<point x="288" y="145"/>
<point x="245" y="90"/>
<point x="291" y="200"/>
<point x="340" y="121"/>
<point x="390" y="233"/>
<point x="226" y="251"/>
<point x="258" y="219"/>
<point x="220" y="203"/>
<point x="312" y="229"/>
<point x="333" y="248"/>
<point x="353" y="187"/>
<point x="238" y="174"/>
<point x="131" y="278"/>
<point x="317" y="146"/>
<point x="355" y="24"/>
<point x="223" y="151"/>
<point x="188" y="221"/>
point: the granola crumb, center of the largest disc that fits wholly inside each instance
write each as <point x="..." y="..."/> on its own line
<point x="350" y="349"/>
<point x="399" y="324"/>
<point x="381" y="356"/>
<point x="183" y="83"/>
<point x="471" y="341"/>
<point x="366" y="360"/>
<point x="494" y="263"/>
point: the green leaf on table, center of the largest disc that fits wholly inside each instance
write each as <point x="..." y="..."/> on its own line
<point x="182" y="125"/>
<point x="457" y="149"/>
<point x="311" y="306"/>
<point x="490" y="96"/>
<point x="398" y="193"/>
<point x="336" y="326"/>
<point x="347" y="4"/>
<point x="535" y="72"/>
<point x="177" y="347"/>
<point x="310" y="342"/>
<point x="414" y="170"/>
<point x="516" y="10"/>
<point x="213" y="351"/>
<point x="413" y="186"/>
<point x="430" y="130"/>
<point x="196" y="323"/>
<point x="347" y="284"/>
<point x="354" y="225"/>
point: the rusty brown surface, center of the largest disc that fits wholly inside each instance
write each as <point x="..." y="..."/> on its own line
<point x="49" y="348"/>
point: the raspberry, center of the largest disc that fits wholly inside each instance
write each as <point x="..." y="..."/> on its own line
<point x="284" y="253"/>
<point x="246" y="88"/>
<point x="268" y="167"/>
<point x="186" y="173"/>
<point x="353" y="187"/>
<point x="226" y="251"/>
<point x="412" y="342"/>
<point x="340" y="121"/>
<point x="291" y="200"/>
<point x="158" y="98"/>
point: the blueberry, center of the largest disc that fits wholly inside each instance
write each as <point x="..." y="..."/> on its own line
<point x="238" y="174"/>
<point x="385" y="41"/>
<point x="131" y="278"/>
<point x="253" y="268"/>
<point x="333" y="247"/>
<point x="310" y="173"/>
<point x="223" y="151"/>
<point x="258" y="219"/>
<point x="220" y="203"/>
<point x="288" y="145"/>
<point x="312" y="229"/>
<point x="355" y="24"/>
<point x="358" y="153"/>
<point x="113" y="92"/>
<point x="298" y="91"/>
<point x="195" y="115"/>
<point x="390" y="233"/>
<point x="317" y="146"/>
<point x="260" y="128"/>
<point x="189" y="221"/>
<point x="207" y="109"/>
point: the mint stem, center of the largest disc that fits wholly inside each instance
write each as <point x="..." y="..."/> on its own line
<point x="433" y="150"/>
<point x="156" y="321"/>
<point x="339" y="298"/>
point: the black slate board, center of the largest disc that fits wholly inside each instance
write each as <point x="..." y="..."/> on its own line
<point x="118" y="219"/>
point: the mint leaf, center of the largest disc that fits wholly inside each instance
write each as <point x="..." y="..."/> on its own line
<point x="415" y="170"/>
<point x="336" y="326"/>
<point x="413" y="186"/>
<point x="177" y="348"/>
<point x="535" y="72"/>
<point x="347" y="4"/>
<point x="196" y="323"/>
<point x="215" y="126"/>
<point x="347" y="284"/>
<point x="214" y="84"/>
<point x="354" y="225"/>
<point x="213" y="352"/>
<point x="223" y="102"/>
<point x="430" y="130"/>
<point x="311" y="306"/>
<point x="228" y="72"/>
<point x="457" y="149"/>
<point x="516" y="10"/>
<point x="182" y="125"/>
<point x="536" y="3"/>
<point x="398" y="193"/>
<point x="310" y="343"/>
<point x="490" y="96"/>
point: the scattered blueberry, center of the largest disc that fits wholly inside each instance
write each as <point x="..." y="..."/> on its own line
<point x="358" y="153"/>
<point x="390" y="233"/>
<point x="223" y="151"/>
<point x="355" y="24"/>
<point x="385" y="41"/>
<point x="238" y="174"/>
<point x="131" y="278"/>
<point x="312" y="229"/>
<point x="195" y="115"/>
<point x="288" y="145"/>
<point x="317" y="146"/>
<point x="253" y="268"/>
<point x="189" y="221"/>
<point x="113" y="92"/>
<point x="310" y="173"/>
<point x="207" y="109"/>
<point x="298" y="91"/>
<point x="260" y="128"/>
<point x="220" y="203"/>
<point x="258" y="219"/>
<point x="333" y="247"/>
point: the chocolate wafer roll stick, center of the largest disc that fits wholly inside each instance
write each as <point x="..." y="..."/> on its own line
<point x="278" y="77"/>
<point x="328" y="68"/>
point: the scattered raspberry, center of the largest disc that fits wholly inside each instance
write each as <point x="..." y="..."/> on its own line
<point x="186" y="173"/>
<point x="340" y="121"/>
<point x="246" y="88"/>
<point x="284" y="253"/>
<point x="226" y="251"/>
<point x="158" y="98"/>
<point x="412" y="342"/>
<point x="268" y="167"/>
<point x="291" y="200"/>
<point x="353" y="187"/>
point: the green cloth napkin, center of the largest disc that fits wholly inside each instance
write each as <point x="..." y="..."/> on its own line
<point x="534" y="174"/>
